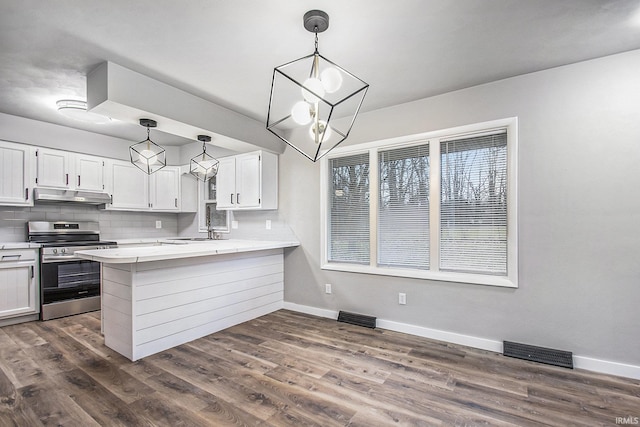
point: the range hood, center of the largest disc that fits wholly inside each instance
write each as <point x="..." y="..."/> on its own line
<point x="50" y="195"/>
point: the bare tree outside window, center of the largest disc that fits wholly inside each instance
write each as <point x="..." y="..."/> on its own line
<point x="349" y="208"/>
<point x="403" y="216"/>
<point x="473" y="205"/>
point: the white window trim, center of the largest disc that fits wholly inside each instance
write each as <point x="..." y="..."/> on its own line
<point x="509" y="281"/>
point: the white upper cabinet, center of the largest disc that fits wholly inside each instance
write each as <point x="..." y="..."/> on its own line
<point x="226" y="181"/>
<point x="73" y="171"/>
<point x="89" y="173"/>
<point x="53" y="168"/>
<point x="128" y="186"/>
<point x="132" y="189"/>
<point x="165" y="189"/>
<point x="15" y="169"/>
<point x="248" y="181"/>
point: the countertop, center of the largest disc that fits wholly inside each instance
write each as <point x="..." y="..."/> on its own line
<point x="19" y="245"/>
<point x="163" y="249"/>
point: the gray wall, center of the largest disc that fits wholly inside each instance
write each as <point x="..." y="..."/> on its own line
<point x="579" y="215"/>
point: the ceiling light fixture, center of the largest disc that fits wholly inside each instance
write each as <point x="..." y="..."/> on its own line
<point x="314" y="102"/>
<point x="147" y="155"/>
<point x="204" y="166"/>
<point x="77" y="110"/>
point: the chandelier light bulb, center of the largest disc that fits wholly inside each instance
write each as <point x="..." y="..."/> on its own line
<point x="312" y="85"/>
<point x="148" y="157"/>
<point x="331" y="80"/>
<point x="301" y="113"/>
<point x="320" y="127"/>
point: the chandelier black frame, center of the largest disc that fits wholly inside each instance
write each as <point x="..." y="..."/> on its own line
<point x="146" y="155"/>
<point x="328" y="99"/>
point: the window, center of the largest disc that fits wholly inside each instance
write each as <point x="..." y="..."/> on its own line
<point x="473" y="204"/>
<point x="349" y="218"/>
<point x="439" y="206"/>
<point x="209" y="217"/>
<point x="403" y="207"/>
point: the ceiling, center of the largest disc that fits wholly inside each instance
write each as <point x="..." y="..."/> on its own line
<point x="225" y="51"/>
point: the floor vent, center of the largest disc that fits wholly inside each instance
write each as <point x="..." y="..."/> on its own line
<point x="538" y="354"/>
<point x="357" y="319"/>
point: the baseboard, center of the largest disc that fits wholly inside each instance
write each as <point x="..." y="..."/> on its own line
<point x="314" y="311"/>
<point x="606" y="367"/>
<point x="435" y="334"/>
<point x="580" y="362"/>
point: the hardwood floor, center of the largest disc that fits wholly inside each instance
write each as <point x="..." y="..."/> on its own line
<point x="288" y="368"/>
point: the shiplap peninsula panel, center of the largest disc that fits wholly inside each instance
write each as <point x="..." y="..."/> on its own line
<point x="152" y="306"/>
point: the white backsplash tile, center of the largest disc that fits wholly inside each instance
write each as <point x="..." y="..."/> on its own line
<point x="113" y="224"/>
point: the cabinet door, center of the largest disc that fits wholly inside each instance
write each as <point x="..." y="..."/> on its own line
<point x="165" y="189"/>
<point x="129" y="187"/>
<point x="226" y="182"/>
<point x="53" y="168"/>
<point x="17" y="289"/>
<point x="14" y="175"/>
<point x="248" y="180"/>
<point x="89" y="173"/>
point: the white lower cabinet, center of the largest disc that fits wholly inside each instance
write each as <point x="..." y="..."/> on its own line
<point x="132" y="189"/>
<point x="18" y="283"/>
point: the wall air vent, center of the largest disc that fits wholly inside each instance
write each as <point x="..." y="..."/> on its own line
<point x="549" y="356"/>
<point x="357" y="319"/>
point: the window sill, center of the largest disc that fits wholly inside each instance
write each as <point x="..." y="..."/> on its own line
<point x="475" y="279"/>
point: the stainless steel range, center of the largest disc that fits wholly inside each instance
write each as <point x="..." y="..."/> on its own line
<point x="68" y="285"/>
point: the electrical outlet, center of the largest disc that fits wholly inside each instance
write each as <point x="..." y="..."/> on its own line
<point x="402" y="298"/>
<point x="158" y="224"/>
<point x="267" y="224"/>
<point x="234" y="225"/>
<point x="327" y="288"/>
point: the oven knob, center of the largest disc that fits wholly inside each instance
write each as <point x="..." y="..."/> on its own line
<point x="55" y="251"/>
<point x="63" y="250"/>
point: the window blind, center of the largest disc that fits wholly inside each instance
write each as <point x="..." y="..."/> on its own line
<point x="403" y="208"/>
<point x="473" y="204"/>
<point x="349" y="209"/>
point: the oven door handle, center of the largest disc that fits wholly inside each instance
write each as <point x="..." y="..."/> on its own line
<point x="57" y="258"/>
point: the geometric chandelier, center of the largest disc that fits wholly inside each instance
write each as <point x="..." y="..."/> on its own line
<point x="147" y="155"/>
<point x="314" y="102"/>
<point x="203" y="166"/>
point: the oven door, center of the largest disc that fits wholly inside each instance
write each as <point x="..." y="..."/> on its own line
<point x="70" y="279"/>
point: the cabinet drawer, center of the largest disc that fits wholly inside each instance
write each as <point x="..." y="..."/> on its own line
<point x="15" y="255"/>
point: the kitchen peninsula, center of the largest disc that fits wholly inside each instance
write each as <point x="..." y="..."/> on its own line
<point x="159" y="296"/>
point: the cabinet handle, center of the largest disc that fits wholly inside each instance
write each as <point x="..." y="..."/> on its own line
<point x="176" y="202"/>
<point x="78" y="180"/>
<point x="231" y="198"/>
<point x="67" y="179"/>
<point x="26" y="194"/>
<point x="32" y="273"/>
<point x="237" y="198"/>
<point x="16" y="256"/>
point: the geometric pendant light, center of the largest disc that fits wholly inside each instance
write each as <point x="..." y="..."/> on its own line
<point x="147" y="155"/>
<point x="314" y="102"/>
<point x="203" y="166"/>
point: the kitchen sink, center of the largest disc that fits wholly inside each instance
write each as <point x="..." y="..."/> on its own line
<point x="194" y="239"/>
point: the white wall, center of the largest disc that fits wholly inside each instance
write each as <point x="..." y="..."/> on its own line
<point x="579" y="224"/>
